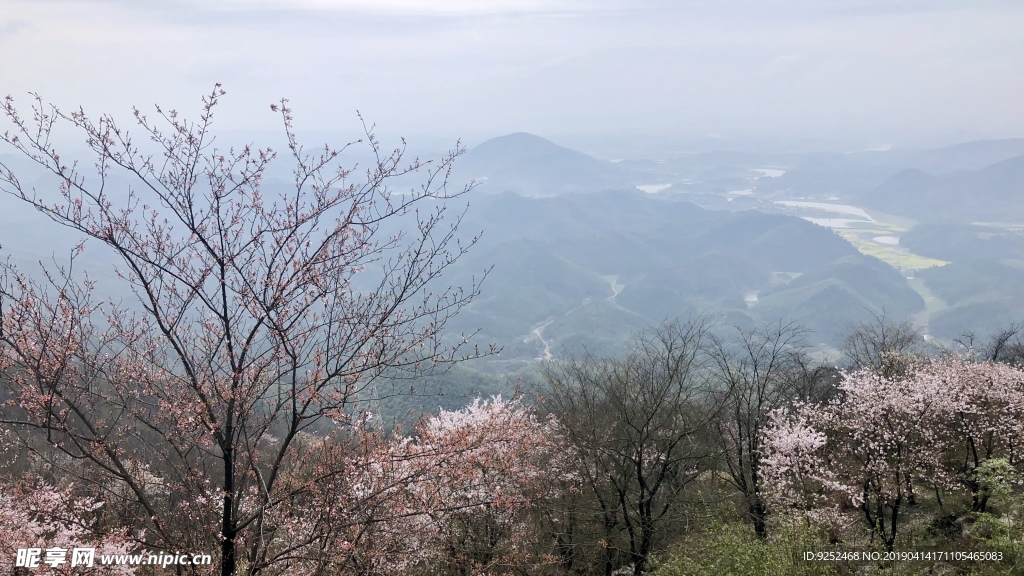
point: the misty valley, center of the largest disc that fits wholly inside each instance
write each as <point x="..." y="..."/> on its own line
<point x="583" y="257"/>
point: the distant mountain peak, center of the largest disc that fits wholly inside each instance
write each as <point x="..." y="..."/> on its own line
<point x="521" y="142"/>
<point x="532" y="165"/>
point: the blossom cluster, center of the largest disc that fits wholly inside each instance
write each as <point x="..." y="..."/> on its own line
<point x="41" y="516"/>
<point x="882" y="439"/>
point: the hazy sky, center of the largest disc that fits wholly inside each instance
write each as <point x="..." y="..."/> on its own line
<point x="876" y="72"/>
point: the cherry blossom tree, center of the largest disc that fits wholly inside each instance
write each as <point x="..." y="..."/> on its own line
<point x="883" y="437"/>
<point x="865" y="448"/>
<point x="495" y="466"/>
<point x="260" y="314"/>
<point x="461" y="495"/>
<point x="982" y="416"/>
<point x="798" y="472"/>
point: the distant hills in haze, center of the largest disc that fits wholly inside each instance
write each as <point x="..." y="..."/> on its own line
<point x="588" y="270"/>
<point x="993" y="193"/>
<point x="973" y="179"/>
<point x="582" y="258"/>
<point x="533" y="166"/>
<point x="966" y="156"/>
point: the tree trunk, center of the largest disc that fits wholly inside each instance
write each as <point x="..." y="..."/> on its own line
<point x="227" y="544"/>
<point x="759" y="513"/>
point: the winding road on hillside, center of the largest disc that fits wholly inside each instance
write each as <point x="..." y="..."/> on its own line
<point x="538" y="332"/>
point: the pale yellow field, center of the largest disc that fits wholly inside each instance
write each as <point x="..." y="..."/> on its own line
<point x="862" y="234"/>
<point x="892" y="255"/>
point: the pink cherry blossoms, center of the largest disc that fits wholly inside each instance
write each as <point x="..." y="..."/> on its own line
<point x="872" y="449"/>
<point x="43" y="517"/>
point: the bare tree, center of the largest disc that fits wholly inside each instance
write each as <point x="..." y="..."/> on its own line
<point x="1005" y="346"/>
<point x="886" y="347"/>
<point x="762" y="370"/>
<point x="637" y="425"/>
<point x="249" y="329"/>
